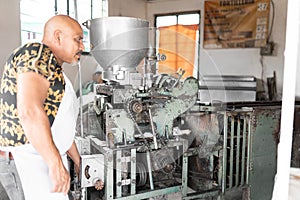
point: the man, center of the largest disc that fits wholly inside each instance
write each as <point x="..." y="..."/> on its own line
<point x="39" y="110"/>
<point x="88" y="97"/>
<point x="89" y="86"/>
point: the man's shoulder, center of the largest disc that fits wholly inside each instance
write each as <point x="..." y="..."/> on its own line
<point x="35" y="57"/>
<point x="33" y="47"/>
<point x="29" y="45"/>
<point x="33" y="51"/>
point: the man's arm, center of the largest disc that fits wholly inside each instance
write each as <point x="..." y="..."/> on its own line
<point x="32" y="91"/>
<point x="74" y="155"/>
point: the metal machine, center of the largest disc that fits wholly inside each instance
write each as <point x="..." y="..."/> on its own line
<point x="138" y="141"/>
<point x="147" y="136"/>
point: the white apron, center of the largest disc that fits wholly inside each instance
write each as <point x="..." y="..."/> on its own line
<point x="32" y="169"/>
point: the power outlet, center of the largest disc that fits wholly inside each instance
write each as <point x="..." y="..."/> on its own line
<point x="267" y="50"/>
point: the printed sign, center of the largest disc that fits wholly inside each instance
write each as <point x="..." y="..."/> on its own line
<point x="236" y="23"/>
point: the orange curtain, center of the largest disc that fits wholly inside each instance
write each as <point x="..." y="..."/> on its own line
<point x="178" y="43"/>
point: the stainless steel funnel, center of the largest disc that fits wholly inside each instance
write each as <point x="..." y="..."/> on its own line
<point x="118" y="41"/>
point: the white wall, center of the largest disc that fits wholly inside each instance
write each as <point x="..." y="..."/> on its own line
<point x="10" y="36"/>
<point x="129" y="8"/>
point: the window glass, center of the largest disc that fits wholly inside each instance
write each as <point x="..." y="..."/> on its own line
<point x="184" y="19"/>
<point x="166" y="20"/>
<point x="188" y="19"/>
<point x="32" y="23"/>
<point x="99" y="8"/>
<point x="84" y="10"/>
<point x="62" y="7"/>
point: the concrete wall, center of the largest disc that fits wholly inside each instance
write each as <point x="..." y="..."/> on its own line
<point x="10" y="36"/>
<point x="129" y="8"/>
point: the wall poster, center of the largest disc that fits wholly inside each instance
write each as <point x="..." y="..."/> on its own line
<point x="236" y="23"/>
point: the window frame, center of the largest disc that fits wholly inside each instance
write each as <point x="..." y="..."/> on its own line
<point x="197" y="51"/>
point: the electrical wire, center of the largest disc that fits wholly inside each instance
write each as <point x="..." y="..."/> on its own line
<point x="272" y="20"/>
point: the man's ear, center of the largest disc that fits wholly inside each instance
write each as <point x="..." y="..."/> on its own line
<point x="57" y="36"/>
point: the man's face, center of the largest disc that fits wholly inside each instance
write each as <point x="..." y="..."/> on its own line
<point x="98" y="78"/>
<point x="72" y="44"/>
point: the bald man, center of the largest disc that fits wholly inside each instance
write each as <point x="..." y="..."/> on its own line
<point x="39" y="110"/>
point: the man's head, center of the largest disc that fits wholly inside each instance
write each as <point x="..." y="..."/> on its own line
<point x="97" y="77"/>
<point x="63" y="35"/>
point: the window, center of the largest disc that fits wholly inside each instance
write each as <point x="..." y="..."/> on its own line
<point x="178" y="38"/>
<point x="32" y="23"/>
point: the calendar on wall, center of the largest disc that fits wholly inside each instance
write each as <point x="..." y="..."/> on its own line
<point x="236" y="23"/>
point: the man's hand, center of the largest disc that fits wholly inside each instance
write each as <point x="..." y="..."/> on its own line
<point x="60" y="178"/>
<point x="74" y="155"/>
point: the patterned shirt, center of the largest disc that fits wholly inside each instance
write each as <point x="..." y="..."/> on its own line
<point x="32" y="57"/>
